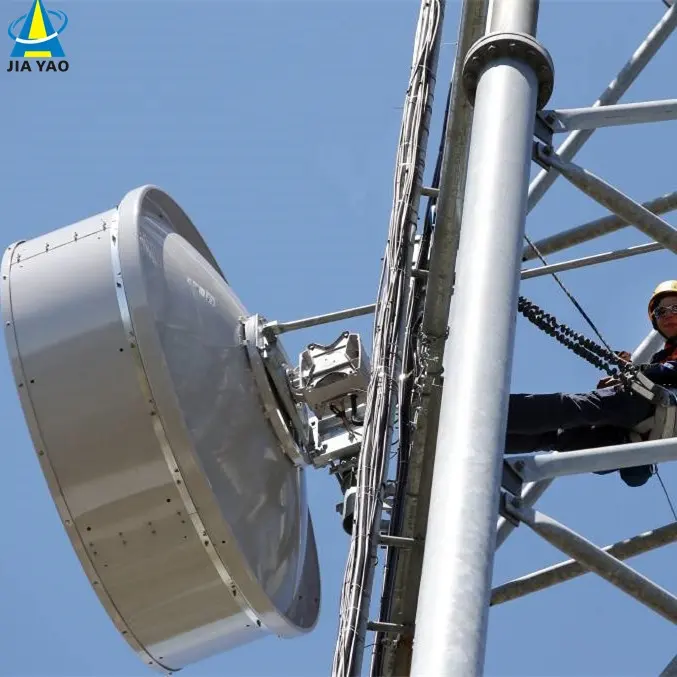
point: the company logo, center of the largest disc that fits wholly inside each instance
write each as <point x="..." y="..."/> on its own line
<point x="36" y="38"/>
<point x="202" y="292"/>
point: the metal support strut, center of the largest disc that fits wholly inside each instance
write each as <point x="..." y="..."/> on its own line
<point x="509" y="75"/>
<point x="567" y="571"/>
<point x="613" y="199"/>
<point x="553" y="464"/>
<point x="598" y="561"/>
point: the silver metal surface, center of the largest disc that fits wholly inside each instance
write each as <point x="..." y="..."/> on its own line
<point x="144" y="414"/>
<point x="567" y="571"/>
<point x="595" y="229"/>
<point x="611" y="95"/>
<point x="335" y="376"/>
<point x="611" y="116"/>
<point x="554" y="464"/>
<point x="514" y="16"/>
<point x="394" y="658"/>
<point x="451" y="619"/>
<point x="596" y="560"/>
<point x="510" y="45"/>
<point x="316" y="320"/>
<point x="616" y="201"/>
<point x="25" y="336"/>
<point x="208" y="399"/>
<point x="398" y="541"/>
<point x="651" y="344"/>
<point x="333" y="440"/>
<point x="270" y="397"/>
<point x="628" y="252"/>
<point x="531" y="492"/>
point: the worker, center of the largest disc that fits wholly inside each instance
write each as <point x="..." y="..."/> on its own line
<point x="605" y="416"/>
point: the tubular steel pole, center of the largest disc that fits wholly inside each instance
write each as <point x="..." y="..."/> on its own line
<point x="451" y="621"/>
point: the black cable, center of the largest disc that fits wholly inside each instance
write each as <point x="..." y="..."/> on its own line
<point x="586" y="348"/>
<point x="667" y="495"/>
<point x="577" y="305"/>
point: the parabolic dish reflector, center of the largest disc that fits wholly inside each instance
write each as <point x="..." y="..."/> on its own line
<point x="127" y="349"/>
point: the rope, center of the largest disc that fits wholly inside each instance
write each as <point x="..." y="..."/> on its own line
<point x="667" y="495"/>
<point x="573" y="300"/>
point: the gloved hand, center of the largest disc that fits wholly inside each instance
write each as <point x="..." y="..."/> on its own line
<point x="608" y="381"/>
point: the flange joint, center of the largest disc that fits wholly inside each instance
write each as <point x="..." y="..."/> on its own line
<point x="520" y="46"/>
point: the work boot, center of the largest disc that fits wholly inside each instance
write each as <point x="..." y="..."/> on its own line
<point x="637" y="476"/>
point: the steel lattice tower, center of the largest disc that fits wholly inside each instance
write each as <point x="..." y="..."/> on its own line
<point x="446" y="524"/>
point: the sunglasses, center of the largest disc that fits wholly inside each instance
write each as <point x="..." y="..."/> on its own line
<point x="663" y="311"/>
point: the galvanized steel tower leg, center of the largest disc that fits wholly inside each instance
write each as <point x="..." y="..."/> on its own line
<point x="509" y="75"/>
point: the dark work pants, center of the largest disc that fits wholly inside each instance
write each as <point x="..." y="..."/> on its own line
<point x="566" y="422"/>
<point x="532" y="414"/>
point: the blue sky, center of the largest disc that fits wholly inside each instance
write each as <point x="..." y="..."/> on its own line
<point x="274" y="124"/>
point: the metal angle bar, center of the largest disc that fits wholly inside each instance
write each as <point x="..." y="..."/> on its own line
<point x="594" y="229"/>
<point x="596" y="560"/>
<point x="404" y="566"/>
<point x="389" y="628"/>
<point x="611" y="95"/>
<point x="529" y="273"/>
<point x="614" y="200"/>
<point x="316" y="320"/>
<point x="530" y="495"/>
<point x="397" y="541"/>
<point x="455" y="588"/>
<point x="556" y="464"/>
<point x="595" y="117"/>
<point x="533" y="491"/>
<point x="670" y="669"/>
<point x="567" y="571"/>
